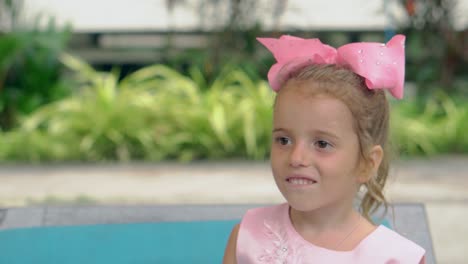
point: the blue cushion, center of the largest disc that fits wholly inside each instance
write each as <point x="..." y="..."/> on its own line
<point x="162" y="242"/>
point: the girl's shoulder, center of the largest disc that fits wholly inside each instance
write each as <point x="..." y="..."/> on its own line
<point x="267" y="211"/>
<point x="384" y="239"/>
<point x="261" y="232"/>
<point x="257" y="218"/>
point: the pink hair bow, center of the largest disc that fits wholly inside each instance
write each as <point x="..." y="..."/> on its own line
<point x="381" y="65"/>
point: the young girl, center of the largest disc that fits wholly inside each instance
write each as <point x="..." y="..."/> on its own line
<point x="330" y="129"/>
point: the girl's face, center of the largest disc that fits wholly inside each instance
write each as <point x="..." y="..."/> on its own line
<point x="315" y="150"/>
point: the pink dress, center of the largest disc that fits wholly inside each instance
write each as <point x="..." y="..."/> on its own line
<point x="266" y="235"/>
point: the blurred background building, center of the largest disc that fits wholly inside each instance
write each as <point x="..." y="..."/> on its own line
<point x="104" y="31"/>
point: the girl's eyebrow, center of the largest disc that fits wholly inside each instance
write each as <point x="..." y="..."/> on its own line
<point x="279" y="130"/>
<point x="317" y="132"/>
<point x="327" y="133"/>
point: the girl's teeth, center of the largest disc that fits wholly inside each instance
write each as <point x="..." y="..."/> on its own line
<point x="301" y="181"/>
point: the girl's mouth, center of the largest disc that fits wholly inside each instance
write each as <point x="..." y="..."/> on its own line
<point x="300" y="181"/>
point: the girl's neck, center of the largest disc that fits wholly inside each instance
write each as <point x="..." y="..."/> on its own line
<point x="335" y="229"/>
<point x="331" y="217"/>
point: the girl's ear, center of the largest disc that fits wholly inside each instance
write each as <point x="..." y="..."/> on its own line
<point x="375" y="156"/>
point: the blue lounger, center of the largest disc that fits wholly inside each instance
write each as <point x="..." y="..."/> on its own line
<point x="144" y="234"/>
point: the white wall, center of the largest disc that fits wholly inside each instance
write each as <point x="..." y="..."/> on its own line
<point x="93" y="15"/>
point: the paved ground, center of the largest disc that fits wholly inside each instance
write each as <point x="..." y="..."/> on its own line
<point x="440" y="183"/>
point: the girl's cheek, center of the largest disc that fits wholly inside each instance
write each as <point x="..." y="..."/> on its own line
<point x="328" y="161"/>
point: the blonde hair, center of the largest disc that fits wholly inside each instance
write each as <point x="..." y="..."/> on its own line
<point x="370" y="110"/>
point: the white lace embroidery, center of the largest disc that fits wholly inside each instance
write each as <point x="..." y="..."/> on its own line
<point x="280" y="252"/>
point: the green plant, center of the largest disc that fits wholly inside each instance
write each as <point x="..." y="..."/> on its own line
<point x="153" y="114"/>
<point x="30" y="72"/>
<point x="436" y="48"/>
<point x="432" y="126"/>
<point x="156" y="113"/>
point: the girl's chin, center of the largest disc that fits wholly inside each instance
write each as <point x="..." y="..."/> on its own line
<point x="301" y="201"/>
<point x="302" y="205"/>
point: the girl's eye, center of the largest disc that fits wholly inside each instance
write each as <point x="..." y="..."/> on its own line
<point x="283" y="140"/>
<point x="322" y="144"/>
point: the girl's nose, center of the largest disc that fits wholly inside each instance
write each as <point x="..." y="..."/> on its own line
<point x="299" y="156"/>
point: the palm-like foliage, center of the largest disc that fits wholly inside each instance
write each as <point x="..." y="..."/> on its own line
<point x="435" y="126"/>
<point x="153" y="114"/>
<point x="158" y="114"/>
